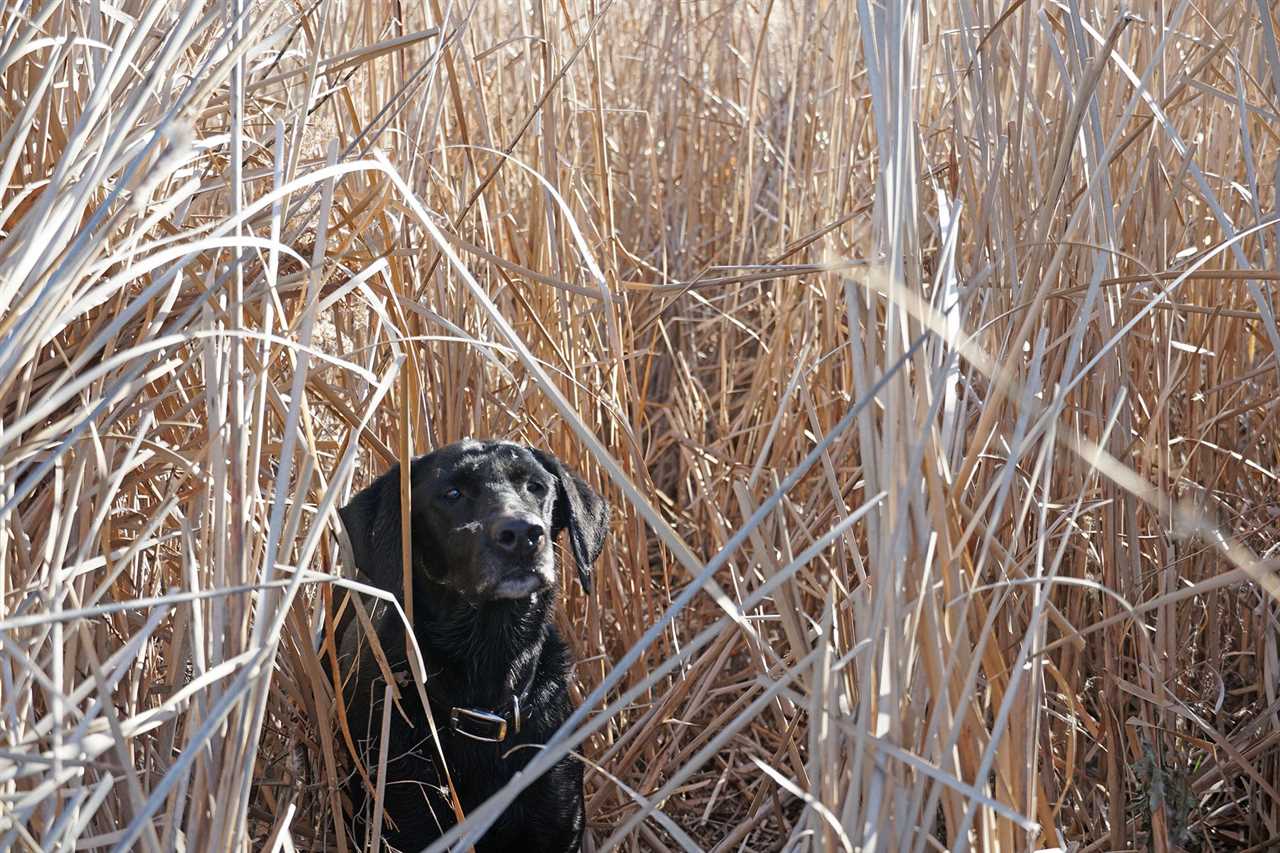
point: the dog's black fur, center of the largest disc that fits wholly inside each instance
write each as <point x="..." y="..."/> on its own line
<point x="484" y="585"/>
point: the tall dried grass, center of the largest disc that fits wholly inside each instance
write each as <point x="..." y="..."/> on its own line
<point x="928" y="351"/>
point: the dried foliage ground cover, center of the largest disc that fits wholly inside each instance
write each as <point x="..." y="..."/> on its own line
<point x="927" y="350"/>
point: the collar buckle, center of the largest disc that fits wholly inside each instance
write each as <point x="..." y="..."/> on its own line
<point x="492" y="728"/>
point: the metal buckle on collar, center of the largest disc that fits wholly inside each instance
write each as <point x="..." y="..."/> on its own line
<point x="457" y="715"/>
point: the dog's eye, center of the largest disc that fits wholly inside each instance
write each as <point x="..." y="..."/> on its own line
<point x="536" y="487"/>
<point x="452" y="494"/>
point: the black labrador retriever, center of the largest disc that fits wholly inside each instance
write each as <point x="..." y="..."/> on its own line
<point x="484" y="516"/>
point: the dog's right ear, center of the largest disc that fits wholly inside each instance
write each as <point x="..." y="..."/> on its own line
<point x="367" y="520"/>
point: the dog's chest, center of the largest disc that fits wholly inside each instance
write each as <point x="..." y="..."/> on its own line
<point x="466" y="730"/>
<point x="476" y="769"/>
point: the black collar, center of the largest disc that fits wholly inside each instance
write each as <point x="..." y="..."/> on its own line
<point x="488" y="725"/>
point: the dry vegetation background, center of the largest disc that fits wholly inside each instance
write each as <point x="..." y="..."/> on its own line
<point x="927" y="351"/>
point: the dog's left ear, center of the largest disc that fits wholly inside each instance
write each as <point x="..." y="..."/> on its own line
<point x="579" y="510"/>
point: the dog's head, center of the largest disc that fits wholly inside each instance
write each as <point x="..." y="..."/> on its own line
<point x="483" y="517"/>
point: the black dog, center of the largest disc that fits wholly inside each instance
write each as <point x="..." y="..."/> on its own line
<point x="484" y="516"/>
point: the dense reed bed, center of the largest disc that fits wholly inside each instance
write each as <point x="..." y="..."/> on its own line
<point x="927" y="351"/>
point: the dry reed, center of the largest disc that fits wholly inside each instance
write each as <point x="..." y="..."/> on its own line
<point x="927" y="349"/>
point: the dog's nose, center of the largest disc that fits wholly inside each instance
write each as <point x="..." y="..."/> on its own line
<point x="517" y="534"/>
